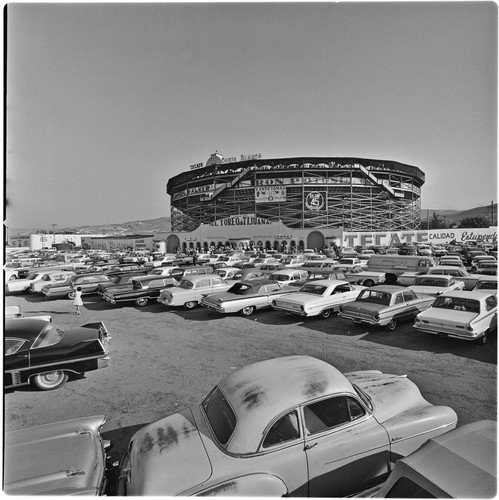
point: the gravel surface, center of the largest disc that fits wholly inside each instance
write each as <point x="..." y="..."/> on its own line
<point x="163" y="360"/>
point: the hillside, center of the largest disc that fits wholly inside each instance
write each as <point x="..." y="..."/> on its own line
<point x="161" y="224"/>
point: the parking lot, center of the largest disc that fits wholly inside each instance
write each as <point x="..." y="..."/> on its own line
<point x="163" y="360"/>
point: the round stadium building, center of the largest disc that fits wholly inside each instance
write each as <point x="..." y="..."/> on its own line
<point x="354" y="194"/>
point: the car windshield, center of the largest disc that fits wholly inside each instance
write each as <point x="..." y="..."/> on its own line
<point x="220" y="415"/>
<point x="431" y="282"/>
<point x="311" y="288"/>
<point x="457" y="304"/>
<point x="186" y="284"/>
<point x="279" y="277"/>
<point x="239" y="289"/>
<point x="50" y="335"/>
<point x="374" y="296"/>
<point x="46" y="277"/>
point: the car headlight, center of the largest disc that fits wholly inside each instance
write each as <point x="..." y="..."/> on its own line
<point x="376" y="317"/>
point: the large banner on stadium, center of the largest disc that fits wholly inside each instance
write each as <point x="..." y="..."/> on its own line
<point x="437" y="236"/>
<point x="270" y="194"/>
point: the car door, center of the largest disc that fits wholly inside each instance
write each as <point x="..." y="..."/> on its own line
<point x="347" y="449"/>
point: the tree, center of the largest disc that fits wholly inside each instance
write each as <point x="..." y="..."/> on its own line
<point x="474" y="222"/>
<point x="436" y="222"/>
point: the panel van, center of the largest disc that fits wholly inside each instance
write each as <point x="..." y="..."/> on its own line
<point x="394" y="265"/>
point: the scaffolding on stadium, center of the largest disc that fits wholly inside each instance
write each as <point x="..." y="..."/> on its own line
<point x="356" y="194"/>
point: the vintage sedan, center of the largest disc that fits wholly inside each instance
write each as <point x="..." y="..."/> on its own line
<point x="87" y="282"/>
<point x="318" y="298"/>
<point x="486" y="283"/>
<point x="22" y="285"/>
<point x="245" y="297"/>
<point x="43" y="354"/>
<point x="141" y="290"/>
<point x="59" y="458"/>
<point x="461" y="315"/>
<point x="291" y="426"/>
<point x="190" y="290"/>
<point x="13" y="312"/>
<point x="50" y="278"/>
<point x="119" y="281"/>
<point x="385" y="305"/>
<point x="435" y="285"/>
<point x="248" y="274"/>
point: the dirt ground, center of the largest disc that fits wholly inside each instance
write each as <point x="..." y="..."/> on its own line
<point x="163" y="360"/>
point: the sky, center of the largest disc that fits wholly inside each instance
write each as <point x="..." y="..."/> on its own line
<point x="106" y="101"/>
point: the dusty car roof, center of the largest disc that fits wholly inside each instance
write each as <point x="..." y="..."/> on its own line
<point x="261" y="391"/>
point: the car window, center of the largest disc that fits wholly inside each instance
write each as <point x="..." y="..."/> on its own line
<point x="220" y="415"/>
<point x="406" y="488"/>
<point x="285" y="429"/>
<point x="11" y="346"/>
<point x="215" y="281"/>
<point x="408" y="295"/>
<point x="203" y="283"/>
<point x="50" y="335"/>
<point x="490" y="302"/>
<point x="330" y="413"/>
<point x="399" y="298"/>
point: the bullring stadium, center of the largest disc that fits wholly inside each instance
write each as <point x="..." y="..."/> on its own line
<point x="355" y="194"/>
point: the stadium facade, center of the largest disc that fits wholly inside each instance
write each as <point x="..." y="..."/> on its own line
<point x="307" y="193"/>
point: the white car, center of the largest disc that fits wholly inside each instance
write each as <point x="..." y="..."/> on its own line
<point x="428" y="284"/>
<point x="462" y="315"/>
<point x="318" y="298"/>
<point x="49" y="279"/>
<point x="289" y="276"/>
<point x="22" y="285"/>
<point x="191" y="290"/>
<point x="227" y="273"/>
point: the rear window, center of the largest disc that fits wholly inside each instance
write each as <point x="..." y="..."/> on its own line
<point x="50" y="335"/>
<point x="220" y="415"/>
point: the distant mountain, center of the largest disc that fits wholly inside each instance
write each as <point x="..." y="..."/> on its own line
<point x="162" y="224"/>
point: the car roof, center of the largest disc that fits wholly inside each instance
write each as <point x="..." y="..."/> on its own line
<point x="24" y="328"/>
<point x="468" y="294"/>
<point x="388" y="288"/>
<point x="460" y="463"/>
<point x="261" y="391"/>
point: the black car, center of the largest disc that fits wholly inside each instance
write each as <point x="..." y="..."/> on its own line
<point x="141" y="291"/>
<point x="124" y="268"/>
<point x="119" y="281"/>
<point x="41" y="353"/>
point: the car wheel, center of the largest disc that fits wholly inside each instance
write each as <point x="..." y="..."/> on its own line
<point x="142" y="301"/>
<point x="326" y="313"/>
<point x="392" y="325"/>
<point x="483" y="339"/>
<point x="368" y="283"/>
<point x="247" y="311"/>
<point x="191" y="304"/>
<point x="71" y="295"/>
<point x="49" y="381"/>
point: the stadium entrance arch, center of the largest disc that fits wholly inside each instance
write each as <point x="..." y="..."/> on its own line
<point x="172" y="243"/>
<point x="315" y="240"/>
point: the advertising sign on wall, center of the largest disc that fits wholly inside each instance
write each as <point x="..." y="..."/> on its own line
<point x="270" y="194"/>
<point x="436" y="236"/>
<point x="315" y="200"/>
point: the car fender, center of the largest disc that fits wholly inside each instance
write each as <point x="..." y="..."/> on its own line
<point x="412" y="428"/>
<point x="258" y="484"/>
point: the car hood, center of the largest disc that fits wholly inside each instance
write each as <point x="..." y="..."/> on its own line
<point x="168" y="457"/>
<point x="391" y="395"/>
<point x="60" y="458"/>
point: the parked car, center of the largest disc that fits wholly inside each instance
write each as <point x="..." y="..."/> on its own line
<point x="119" y="281"/>
<point x="245" y="297"/>
<point x="461" y="315"/>
<point x="459" y="273"/>
<point x="486" y="283"/>
<point x="429" y="284"/>
<point x="190" y="290"/>
<point x="291" y="426"/>
<point x="87" y="282"/>
<point x="141" y="291"/>
<point x="475" y="263"/>
<point x="268" y="269"/>
<point x="43" y="354"/>
<point x="488" y="268"/>
<point x="22" y="285"/>
<point x="318" y="298"/>
<point x="227" y="273"/>
<point x="248" y="274"/>
<point x="461" y="463"/>
<point x="385" y="305"/>
<point x="49" y="278"/>
<point x="124" y="267"/>
<point x="12" y="312"/>
<point x="59" y="458"/>
<point x="173" y="271"/>
<point x="289" y="276"/>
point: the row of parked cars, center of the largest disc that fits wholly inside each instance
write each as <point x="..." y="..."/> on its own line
<point x="286" y="426"/>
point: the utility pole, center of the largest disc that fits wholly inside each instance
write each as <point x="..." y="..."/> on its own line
<point x="53" y="231"/>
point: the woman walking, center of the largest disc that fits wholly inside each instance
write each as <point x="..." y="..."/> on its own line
<point x="77" y="300"/>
